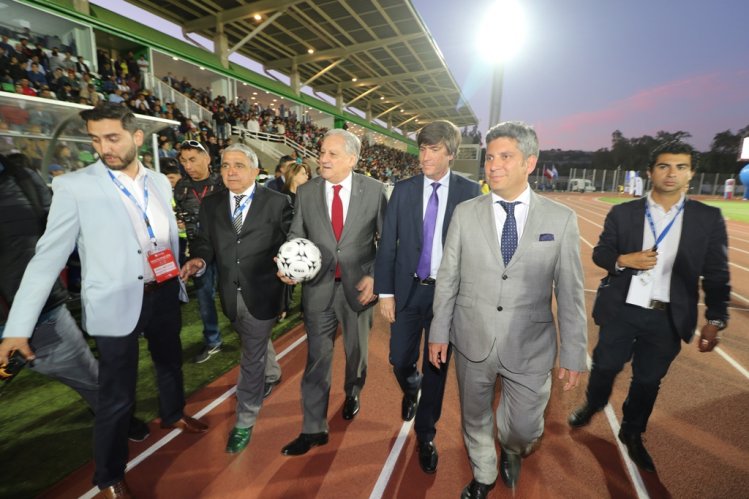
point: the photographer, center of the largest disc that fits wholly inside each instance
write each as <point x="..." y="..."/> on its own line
<point x="189" y="193"/>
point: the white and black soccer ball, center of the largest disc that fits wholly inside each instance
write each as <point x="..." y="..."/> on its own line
<point x="299" y="259"/>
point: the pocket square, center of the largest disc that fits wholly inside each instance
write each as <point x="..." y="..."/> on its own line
<point x="546" y="237"/>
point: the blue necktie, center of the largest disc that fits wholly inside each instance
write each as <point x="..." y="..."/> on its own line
<point x="424" y="268"/>
<point x="509" y="231"/>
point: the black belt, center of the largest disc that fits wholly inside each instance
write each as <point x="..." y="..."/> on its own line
<point x="337" y="279"/>
<point x="151" y="286"/>
<point x="658" y="305"/>
<point x="429" y="281"/>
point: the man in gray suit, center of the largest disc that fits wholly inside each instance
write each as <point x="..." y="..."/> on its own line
<point x="342" y="213"/>
<point x="505" y="253"/>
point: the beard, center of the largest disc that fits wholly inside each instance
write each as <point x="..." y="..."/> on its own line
<point x="118" y="163"/>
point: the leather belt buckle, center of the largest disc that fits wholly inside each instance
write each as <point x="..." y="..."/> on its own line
<point x="429" y="281"/>
<point x="658" y="305"/>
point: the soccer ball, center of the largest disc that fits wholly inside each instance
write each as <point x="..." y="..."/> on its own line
<point x="299" y="259"/>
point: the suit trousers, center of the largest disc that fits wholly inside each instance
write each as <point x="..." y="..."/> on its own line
<point x="272" y="367"/>
<point x="160" y="322"/>
<point x="321" y="331"/>
<point x="649" y="339"/>
<point x="405" y="340"/>
<point x="520" y="413"/>
<point x="253" y="335"/>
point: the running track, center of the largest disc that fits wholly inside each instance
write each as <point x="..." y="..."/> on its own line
<point x="698" y="434"/>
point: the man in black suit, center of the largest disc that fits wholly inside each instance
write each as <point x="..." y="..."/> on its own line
<point x="408" y="258"/>
<point x="241" y="231"/>
<point x="655" y="249"/>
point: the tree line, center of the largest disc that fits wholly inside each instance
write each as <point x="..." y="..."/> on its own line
<point x="633" y="153"/>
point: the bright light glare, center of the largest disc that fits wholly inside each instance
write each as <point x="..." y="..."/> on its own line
<point x="502" y="31"/>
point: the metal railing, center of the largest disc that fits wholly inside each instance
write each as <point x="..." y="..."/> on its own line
<point x="273" y="138"/>
<point x="166" y="93"/>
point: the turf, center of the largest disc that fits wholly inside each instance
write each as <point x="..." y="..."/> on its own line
<point x="46" y="428"/>
<point x="736" y="210"/>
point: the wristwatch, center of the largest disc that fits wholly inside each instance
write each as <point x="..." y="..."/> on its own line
<point x="721" y="325"/>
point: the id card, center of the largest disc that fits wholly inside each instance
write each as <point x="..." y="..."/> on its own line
<point x="641" y="289"/>
<point x="163" y="264"/>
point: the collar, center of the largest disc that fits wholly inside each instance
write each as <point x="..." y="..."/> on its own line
<point x="246" y="193"/>
<point x="523" y="198"/>
<point x="138" y="176"/>
<point x="345" y="183"/>
<point x="652" y="204"/>
<point x="444" y="181"/>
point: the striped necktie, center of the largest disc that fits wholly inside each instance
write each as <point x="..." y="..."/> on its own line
<point x="237" y="217"/>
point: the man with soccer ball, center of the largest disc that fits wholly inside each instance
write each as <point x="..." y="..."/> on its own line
<point x="340" y="212"/>
<point x="242" y="231"/>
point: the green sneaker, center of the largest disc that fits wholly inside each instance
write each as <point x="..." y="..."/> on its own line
<point x="238" y="440"/>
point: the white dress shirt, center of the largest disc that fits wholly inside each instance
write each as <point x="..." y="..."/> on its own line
<point x="667" y="248"/>
<point x="442" y="192"/>
<point x="157" y="215"/>
<point x="233" y="204"/>
<point x="344" y="193"/>
<point x="521" y="213"/>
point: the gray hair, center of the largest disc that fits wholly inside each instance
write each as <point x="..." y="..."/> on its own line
<point x="522" y="132"/>
<point x="244" y="150"/>
<point x="351" y="142"/>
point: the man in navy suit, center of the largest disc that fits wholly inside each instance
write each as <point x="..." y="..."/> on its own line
<point x="408" y="258"/>
<point x="655" y="249"/>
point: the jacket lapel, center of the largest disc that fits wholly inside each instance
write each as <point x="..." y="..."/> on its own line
<point x="354" y="205"/>
<point x="453" y="195"/>
<point x="637" y="224"/>
<point x="485" y="217"/>
<point x="416" y="207"/>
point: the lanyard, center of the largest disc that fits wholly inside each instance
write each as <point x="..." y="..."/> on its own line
<point x="201" y="195"/>
<point x="130" y="196"/>
<point x="239" y="209"/>
<point x="659" y="238"/>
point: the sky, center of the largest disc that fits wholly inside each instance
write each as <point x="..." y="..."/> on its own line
<point x="590" y="67"/>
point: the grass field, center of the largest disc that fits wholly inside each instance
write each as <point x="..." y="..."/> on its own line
<point x="736" y="209"/>
<point x="46" y="428"/>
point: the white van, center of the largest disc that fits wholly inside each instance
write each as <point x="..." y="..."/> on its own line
<point x="580" y="185"/>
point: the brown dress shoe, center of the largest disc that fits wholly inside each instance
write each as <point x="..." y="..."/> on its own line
<point x="188" y="425"/>
<point x="117" y="491"/>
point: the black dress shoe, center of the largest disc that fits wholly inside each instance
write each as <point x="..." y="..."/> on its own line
<point x="509" y="468"/>
<point x="427" y="456"/>
<point x="408" y="407"/>
<point x="581" y="416"/>
<point x="304" y="442"/>
<point x="350" y="407"/>
<point x="476" y="490"/>
<point x="269" y="387"/>
<point x="138" y="430"/>
<point x="637" y="451"/>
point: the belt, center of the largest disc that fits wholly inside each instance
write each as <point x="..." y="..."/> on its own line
<point x="658" y="305"/>
<point x="429" y="281"/>
<point x="337" y="279"/>
<point x="151" y="286"/>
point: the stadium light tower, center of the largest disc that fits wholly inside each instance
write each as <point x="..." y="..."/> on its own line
<point x="500" y="36"/>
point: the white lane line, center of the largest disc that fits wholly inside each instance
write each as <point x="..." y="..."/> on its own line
<point x="389" y="466"/>
<point x="174" y="433"/>
<point x="730" y="360"/>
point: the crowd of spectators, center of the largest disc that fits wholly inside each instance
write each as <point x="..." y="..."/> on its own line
<point x="51" y="72"/>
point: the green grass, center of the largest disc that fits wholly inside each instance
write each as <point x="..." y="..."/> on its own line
<point x="46" y="428"/>
<point x="736" y="210"/>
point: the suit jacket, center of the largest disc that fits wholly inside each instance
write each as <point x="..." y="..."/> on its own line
<point x="703" y="251"/>
<point x="355" y="252"/>
<point x="245" y="260"/>
<point x="87" y="210"/>
<point x="480" y="303"/>
<point x="400" y="245"/>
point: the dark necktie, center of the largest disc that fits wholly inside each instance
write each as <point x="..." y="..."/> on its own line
<point x="424" y="268"/>
<point x="509" y="231"/>
<point x="336" y="218"/>
<point x="237" y="217"/>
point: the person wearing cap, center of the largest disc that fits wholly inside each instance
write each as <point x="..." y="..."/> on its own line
<point x="55" y="170"/>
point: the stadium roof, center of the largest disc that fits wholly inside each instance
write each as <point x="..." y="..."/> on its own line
<point x="378" y="53"/>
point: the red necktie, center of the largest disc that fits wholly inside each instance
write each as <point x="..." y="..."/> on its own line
<point x="336" y="219"/>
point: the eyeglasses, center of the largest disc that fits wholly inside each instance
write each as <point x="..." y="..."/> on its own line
<point x="194" y="144"/>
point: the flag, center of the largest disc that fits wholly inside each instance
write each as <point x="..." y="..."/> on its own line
<point x="548" y="173"/>
<point x="554" y="172"/>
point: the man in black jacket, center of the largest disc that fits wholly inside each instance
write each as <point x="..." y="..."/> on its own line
<point x="59" y="346"/>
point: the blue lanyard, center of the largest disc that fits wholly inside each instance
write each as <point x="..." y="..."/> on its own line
<point x="130" y="196"/>
<point x="659" y="238"/>
<point x="239" y="209"/>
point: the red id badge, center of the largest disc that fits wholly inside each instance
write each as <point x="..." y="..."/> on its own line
<point x="163" y="264"/>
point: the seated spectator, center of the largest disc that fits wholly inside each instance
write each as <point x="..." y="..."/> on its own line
<point x="36" y="77"/>
<point x="106" y="72"/>
<point x="68" y="62"/>
<point x="58" y="80"/>
<point x="66" y="93"/>
<point x="16" y="71"/>
<point x="116" y="96"/>
<point x="80" y="66"/>
<point x="23" y="87"/>
<point x="55" y="60"/>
